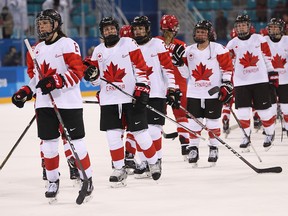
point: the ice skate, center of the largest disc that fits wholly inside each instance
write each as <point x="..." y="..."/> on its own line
<point x="213" y="155"/>
<point x="88" y="195"/>
<point x="268" y="142"/>
<point x="129" y="163"/>
<point x="193" y="155"/>
<point x="155" y="170"/>
<point x="74" y="172"/>
<point x="52" y="191"/>
<point x="184" y="152"/>
<point x="226" y="128"/>
<point x="184" y="143"/>
<point x="257" y="123"/>
<point x="245" y="144"/>
<point x="142" y="170"/>
<point x="118" y="178"/>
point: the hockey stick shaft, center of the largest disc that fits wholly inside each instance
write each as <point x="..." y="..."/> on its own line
<point x="17" y="142"/>
<point x="277" y="169"/>
<point x="154" y="110"/>
<point x="245" y="134"/>
<point x="66" y="133"/>
<point x="90" y="102"/>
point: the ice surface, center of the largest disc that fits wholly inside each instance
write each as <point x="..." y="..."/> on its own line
<point x="231" y="188"/>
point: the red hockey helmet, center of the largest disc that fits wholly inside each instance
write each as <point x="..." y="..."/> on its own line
<point x="170" y="23"/>
<point x="126" y="31"/>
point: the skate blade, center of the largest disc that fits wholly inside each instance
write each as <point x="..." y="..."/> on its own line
<point x="194" y="165"/>
<point x="268" y="148"/>
<point x="130" y="171"/>
<point x="212" y="164"/>
<point x="144" y="175"/>
<point x="185" y="157"/>
<point x="245" y="150"/>
<point x="76" y="182"/>
<point x="88" y="198"/>
<point x="119" y="184"/>
<point x="53" y="200"/>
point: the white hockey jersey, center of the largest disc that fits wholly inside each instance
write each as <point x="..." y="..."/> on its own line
<point x="62" y="57"/>
<point x="161" y="75"/>
<point x="252" y="60"/>
<point x="206" y="69"/>
<point x="122" y="65"/>
<point x="279" y="51"/>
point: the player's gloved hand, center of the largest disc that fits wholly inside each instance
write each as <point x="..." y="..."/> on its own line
<point x="226" y="92"/>
<point x="141" y="95"/>
<point x="21" y="96"/>
<point x="50" y="83"/>
<point x="177" y="54"/>
<point x="173" y="98"/>
<point x="273" y="78"/>
<point x="91" y="73"/>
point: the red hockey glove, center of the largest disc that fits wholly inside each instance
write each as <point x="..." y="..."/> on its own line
<point x="50" y="83"/>
<point x="21" y="96"/>
<point x="177" y="54"/>
<point x="226" y="92"/>
<point x="273" y="78"/>
<point x="173" y="98"/>
<point x="141" y="94"/>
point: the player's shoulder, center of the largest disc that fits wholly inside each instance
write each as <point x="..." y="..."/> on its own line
<point x="177" y="41"/>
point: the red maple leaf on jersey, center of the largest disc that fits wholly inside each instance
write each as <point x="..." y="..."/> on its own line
<point x="46" y="70"/>
<point x="201" y="72"/>
<point x="149" y="71"/>
<point x="114" y="74"/>
<point x="249" y="60"/>
<point x="278" y="62"/>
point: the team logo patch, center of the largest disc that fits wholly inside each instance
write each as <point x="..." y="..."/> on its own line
<point x="100" y="57"/>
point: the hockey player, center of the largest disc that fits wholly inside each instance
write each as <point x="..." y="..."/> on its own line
<point x="277" y="42"/>
<point x="119" y="61"/>
<point x="169" y="26"/>
<point x="74" y="174"/>
<point x="209" y="65"/>
<point x="61" y="68"/>
<point x="253" y="72"/>
<point x="161" y="80"/>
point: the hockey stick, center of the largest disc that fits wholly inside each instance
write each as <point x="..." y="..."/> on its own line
<point x="83" y="191"/>
<point x="17" y="142"/>
<point x="154" y="110"/>
<point x="277" y="169"/>
<point x="172" y="135"/>
<point x="90" y="102"/>
<point x="245" y="134"/>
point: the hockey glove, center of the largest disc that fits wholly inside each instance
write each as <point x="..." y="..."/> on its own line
<point x="173" y="98"/>
<point x="21" y="96"/>
<point x="177" y="54"/>
<point x="50" y="83"/>
<point x="141" y="95"/>
<point x="91" y="73"/>
<point x="226" y="92"/>
<point x="273" y="78"/>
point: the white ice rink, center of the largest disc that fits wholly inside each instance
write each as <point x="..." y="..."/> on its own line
<point x="229" y="189"/>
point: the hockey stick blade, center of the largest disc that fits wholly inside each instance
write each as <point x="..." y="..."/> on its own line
<point x="170" y="135"/>
<point x="82" y="192"/>
<point x="90" y="102"/>
<point x="277" y="169"/>
<point x="213" y="90"/>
